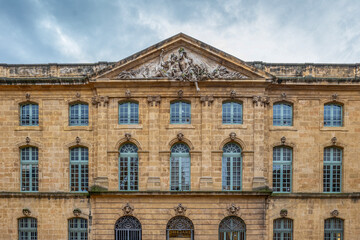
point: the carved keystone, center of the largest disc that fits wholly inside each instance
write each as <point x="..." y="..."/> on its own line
<point x="283" y="140"/>
<point x="334" y="213"/>
<point x="77" y="95"/>
<point x="128" y="93"/>
<point x="334" y="96"/>
<point x="232" y="135"/>
<point x="283" y="95"/>
<point x="334" y="140"/>
<point x="154" y="100"/>
<point x="27" y="140"/>
<point x="283" y="212"/>
<point x="180" y="93"/>
<point x="180" y="209"/>
<point x="128" y="136"/>
<point x="26" y="212"/>
<point x="233" y="94"/>
<point x="77" y="212"/>
<point x="128" y="209"/>
<point x="77" y="140"/>
<point x="233" y="209"/>
<point x="27" y="96"/>
<point x="180" y="136"/>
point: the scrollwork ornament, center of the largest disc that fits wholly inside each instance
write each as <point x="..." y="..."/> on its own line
<point x="27" y="140"/>
<point x="180" y="136"/>
<point x="27" y="96"/>
<point x="334" y="140"/>
<point x="233" y="94"/>
<point x="180" y="93"/>
<point x="128" y="93"/>
<point x="128" y="209"/>
<point x="283" y="95"/>
<point x="77" y="140"/>
<point x="77" y="95"/>
<point x="128" y="136"/>
<point x="283" y="213"/>
<point x="180" y="209"/>
<point x="334" y="97"/>
<point x="77" y="212"/>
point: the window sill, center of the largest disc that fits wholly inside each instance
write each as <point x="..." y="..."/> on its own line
<point x="282" y="128"/>
<point x="28" y="128"/>
<point x="180" y="126"/>
<point x="338" y="129"/>
<point x="128" y="126"/>
<point x="78" y="128"/>
<point x="232" y="126"/>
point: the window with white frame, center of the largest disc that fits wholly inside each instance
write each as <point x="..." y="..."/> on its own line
<point x="79" y="169"/>
<point x="29" y="169"/>
<point x="231" y="167"/>
<point x="180" y="168"/>
<point x="128" y="167"/>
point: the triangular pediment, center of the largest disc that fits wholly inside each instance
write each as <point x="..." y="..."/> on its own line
<point x="182" y="58"/>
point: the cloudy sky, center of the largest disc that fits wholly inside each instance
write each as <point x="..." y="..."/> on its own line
<point x="75" y="31"/>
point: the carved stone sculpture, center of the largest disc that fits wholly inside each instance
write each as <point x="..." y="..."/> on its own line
<point x="77" y="95"/>
<point x="180" y="66"/>
<point x="334" y="213"/>
<point x="283" y="212"/>
<point x="334" y="97"/>
<point x="334" y="140"/>
<point x="208" y="99"/>
<point x="180" y="93"/>
<point x="232" y="135"/>
<point x="128" y="136"/>
<point x="77" y="212"/>
<point x="154" y="100"/>
<point x="283" y="140"/>
<point x="78" y="140"/>
<point x="26" y="212"/>
<point x="180" y="209"/>
<point x="128" y="93"/>
<point x="27" y="140"/>
<point x="97" y="100"/>
<point x="233" y="94"/>
<point x="233" y="210"/>
<point x="27" y="96"/>
<point x="283" y="95"/>
<point x="128" y="209"/>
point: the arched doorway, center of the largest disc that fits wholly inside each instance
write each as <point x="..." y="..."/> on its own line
<point x="127" y="228"/>
<point x="232" y="228"/>
<point x="180" y="228"/>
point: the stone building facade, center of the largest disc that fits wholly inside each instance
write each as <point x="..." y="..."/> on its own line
<point x="317" y="198"/>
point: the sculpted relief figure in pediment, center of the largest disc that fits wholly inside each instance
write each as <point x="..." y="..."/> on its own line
<point x="180" y="66"/>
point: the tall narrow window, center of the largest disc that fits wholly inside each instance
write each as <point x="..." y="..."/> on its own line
<point x="180" y="227"/>
<point x="283" y="229"/>
<point x="79" y="114"/>
<point x="180" y="113"/>
<point x="78" y="229"/>
<point x="282" y="161"/>
<point x="27" y="229"/>
<point x="128" y="168"/>
<point x="333" y="115"/>
<point x="231" y="167"/>
<point x="29" y="169"/>
<point x="180" y="168"/>
<point x="128" y="113"/>
<point x="127" y="228"/>
<point x="29" y="114"/>
<point x="232" y="228"/>
<point x="332" y="169"/>
<point x="232" y="113"/>
<point x="334" y="229"/>
<point x="282" y="114"/>
<point x="79" y="169"/>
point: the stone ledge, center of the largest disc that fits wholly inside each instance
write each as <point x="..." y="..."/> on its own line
<point x="43" y="195"/>
<point x="184" y="193"/>
<point x="316" y="195"/>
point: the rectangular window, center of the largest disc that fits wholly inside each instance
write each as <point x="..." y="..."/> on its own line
<point x="29" y="169"/>
<point x="232" y="113"/>
<point x="282" y="168"/>
<point x="29" y="115"/>
<point x="79" y="115"/>
<point x="282" y="114"/>
<point x="333" y="115"/>
<point x="332" y="169"/>
<point x="79" y="169"/>
<point x="180" y="113"/>
<point x="129" y="113"/>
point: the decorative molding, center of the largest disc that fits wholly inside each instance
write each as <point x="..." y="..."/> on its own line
<point x="128" y="136"/>
<point x="180" y="209"/>
<point x="27" y="140"/>
<point x="262" y="100"/>
<point x="334" y="140"/>
<point x="76" y="212"/>
<point x="26" y="212"/>
<point x="283" y="140"/>
<point x="233" y="94"/>
<point x="154" y="99"/>
<point x="128" y="93"/>
<point x="78" y="140"/>
<point x="78" y="95"/>
<point x="128" y="209"/>
<point x="334" y="213"/>
<point x="179" y="66"/>
<point x="27" y="96"/>
<point x="232" y="135"/>
<point x="208" y="99"/>
<point x="180" y="93"/>
<point x="283" y="95"/>
<point x="97" y="100"/>
<point x="180" y="136"/>
<point x="233" y="210"/>
<point x="283" y="213"/>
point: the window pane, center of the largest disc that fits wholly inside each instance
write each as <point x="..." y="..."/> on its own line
<point x="128" y="113"/>
<point x="180" y="112"/>
<point x="332" y="169"/>
<point x="128" y="168"/>
<point x="29" y="115"/>
<point x="282" y="168"/>
<point x="79" y="115"/>
<point x="29" y="169"/>
<point x="282" y="114"/>
<point x="231" y="167"/>
<point x="79" y="169"/>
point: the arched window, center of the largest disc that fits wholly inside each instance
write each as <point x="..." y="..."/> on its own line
<point x="27" y="228"/>
<point x="79" y="169"/>
<point x="180" y="227"/>
<point x="334" y="229"/>
<point x="79" y="114"/>
<point x="282" y="114"/>
<point x="129" y="113"/>
<point x="232" y="228"/>
<point x="127" y="228"/>
<point x="180" y="168"/>
<point x="283" y="229"/>
<point x="29" y="169"/>
<point x="180" y="113"/>
<point x="282" y="169"/>
<point x="78" y="229"/>
<point x="128" y="168"/>
<point x="231" y="167"/>
<point x="332" y="169"/>
<point x="29" y="114"/>
<point x="232" y="113"/>
<point x="333" y="115"/>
